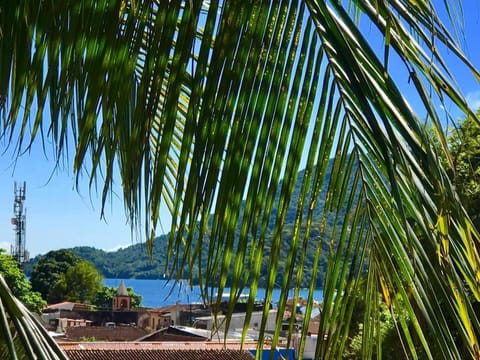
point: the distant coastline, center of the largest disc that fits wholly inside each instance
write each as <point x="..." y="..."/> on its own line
<point x="133" y="262"/>
<point x="159" y="292"/>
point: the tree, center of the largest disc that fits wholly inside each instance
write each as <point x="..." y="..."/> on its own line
<point x="49" y="269"/>
<point x="464" y="144"/>
<point x="207" y="105"/>
<point x="80" y="283"/>
<point x="104" y="297"/>
<point x="61" y="275"/>
<point x="19" y="284"/>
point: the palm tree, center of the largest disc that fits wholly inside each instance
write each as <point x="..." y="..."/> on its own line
<point x="21" y="335"/>
<point x="213" y="107"/>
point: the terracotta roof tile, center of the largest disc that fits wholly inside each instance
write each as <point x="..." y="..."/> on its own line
<point x="156" y="345"/>
<point x="157" y="354"/>
<point x="161" y="350"/>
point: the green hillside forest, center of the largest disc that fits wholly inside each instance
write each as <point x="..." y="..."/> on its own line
<point x="134" y="262"/>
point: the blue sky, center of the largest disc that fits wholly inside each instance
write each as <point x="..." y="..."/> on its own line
<point x="60" y="217"/>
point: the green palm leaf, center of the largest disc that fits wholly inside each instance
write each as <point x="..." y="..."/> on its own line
<point x="213" y="107"/>
<point x="22" y="336"/>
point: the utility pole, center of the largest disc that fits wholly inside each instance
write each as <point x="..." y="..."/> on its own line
<point x="18" y="250"/>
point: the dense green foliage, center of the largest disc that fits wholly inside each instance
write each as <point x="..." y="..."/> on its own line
<point x="134" y="261"/>
<point x="127" y="263"/>
<point x="464" y="144"/>
<point x="80" y="283"/>
<point x="19" y="284"/>
<point x="387" y="344"/>
<point x="62" y="275"/>
<point x="48" y="269"/>
<point x="76" y="274"/>
<point x="103" y="298"/>
<point x="211" y="107"/>
<point x="22" y="336"/>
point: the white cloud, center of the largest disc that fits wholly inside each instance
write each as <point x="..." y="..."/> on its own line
<point x="5" y="245"/>
<point x="473" y="99"/>
<point x="118" y="247"/>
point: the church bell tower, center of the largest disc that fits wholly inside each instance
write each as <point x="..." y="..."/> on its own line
<point x="122" y="301"/>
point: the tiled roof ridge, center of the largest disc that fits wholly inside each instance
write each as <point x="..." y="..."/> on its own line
<point x="159" y="345"/>
<point x="158" y="354"/>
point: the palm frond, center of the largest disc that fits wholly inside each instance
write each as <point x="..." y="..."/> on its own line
<point x="22" y="336"/>
<point x="213" y="108"/>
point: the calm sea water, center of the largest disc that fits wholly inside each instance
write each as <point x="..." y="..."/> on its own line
<point x="156" y="293"/>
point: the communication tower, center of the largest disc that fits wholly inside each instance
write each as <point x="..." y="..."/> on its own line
<point x="18" y="250"/>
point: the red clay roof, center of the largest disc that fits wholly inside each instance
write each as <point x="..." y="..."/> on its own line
<point x="154" y="351"/>
<point x="157" y="354"/>
<point x="156" y="345"/>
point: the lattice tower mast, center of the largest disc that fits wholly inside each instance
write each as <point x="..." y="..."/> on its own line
<point x="18" y="250"/>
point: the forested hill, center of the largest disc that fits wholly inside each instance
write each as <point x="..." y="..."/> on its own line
<point x="129" y="262"/>
<point x="133" y="261"/>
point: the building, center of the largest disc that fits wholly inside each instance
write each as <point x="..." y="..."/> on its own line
<point x="122" y="301"/>
<point x="57" y="317"/>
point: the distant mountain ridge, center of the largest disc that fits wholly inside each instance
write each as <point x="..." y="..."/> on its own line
<point x="133" y="261"/>
<point x="128" y="262"/>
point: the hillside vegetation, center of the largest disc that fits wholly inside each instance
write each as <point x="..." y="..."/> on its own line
<point x="134" y="262"/>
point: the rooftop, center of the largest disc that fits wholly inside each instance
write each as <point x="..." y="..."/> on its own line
<point x="122" y="290"/>
<point x="154" y="351"/>
<point x="66" y="305"/>
<point x="156" y="345"/>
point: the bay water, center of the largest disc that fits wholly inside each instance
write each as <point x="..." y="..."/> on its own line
<point x="158" y="293"/>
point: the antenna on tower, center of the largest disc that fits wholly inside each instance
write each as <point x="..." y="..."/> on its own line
<point x="18" y="251"/>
